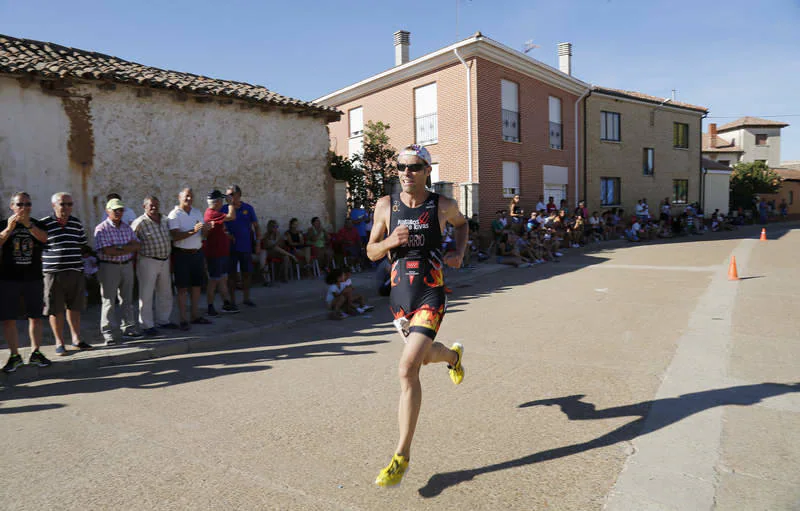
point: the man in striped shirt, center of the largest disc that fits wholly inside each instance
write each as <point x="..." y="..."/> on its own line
<point x="62" y="266"/>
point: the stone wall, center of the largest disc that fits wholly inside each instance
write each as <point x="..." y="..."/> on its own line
<point x="91" y="140"/>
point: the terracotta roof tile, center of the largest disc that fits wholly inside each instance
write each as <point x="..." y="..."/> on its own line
<point x="723" y="146"/>
<point x="48" y="60"/>
<point x="648" y="98"/>
<point x="752" y="122"/>
<point x="788" y="174"/>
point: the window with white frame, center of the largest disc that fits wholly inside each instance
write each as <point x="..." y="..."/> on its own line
<point x="510" y="110"/>
<point x="355" y="142"/>
<point x="426" y="115"/>
<point x="435" y="173"/>
<point x="356" y="119"/>
<point x="510" y="178"/>
<point x="555" y="123"/>
<point x="609" y="126"/>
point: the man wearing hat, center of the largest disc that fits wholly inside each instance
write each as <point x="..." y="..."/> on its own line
<point x="116" y="244"/>
<point x="217" y="250"/>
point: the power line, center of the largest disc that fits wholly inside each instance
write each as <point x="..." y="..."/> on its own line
<point x="737" y="116"/>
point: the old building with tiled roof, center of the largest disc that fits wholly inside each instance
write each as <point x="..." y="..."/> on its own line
<point x="91" y="123"/>
<point x="747" y="139"/>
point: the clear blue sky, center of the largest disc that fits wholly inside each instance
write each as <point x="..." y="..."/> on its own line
<point x="735" y="57"/>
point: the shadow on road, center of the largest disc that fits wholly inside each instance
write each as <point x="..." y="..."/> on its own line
<point x="160" y="373"/>
<point x="652" y="416"/>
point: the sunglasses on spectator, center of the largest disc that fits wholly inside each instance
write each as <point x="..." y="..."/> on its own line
<point x="118" y="210"/>
<point x="67" y="204"/>
<point x="24" y="204"/>
<point x="414" y="167"/>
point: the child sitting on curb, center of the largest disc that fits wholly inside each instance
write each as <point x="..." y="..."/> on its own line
<point x="354" y="299"/>
<point x="336" y="300"/>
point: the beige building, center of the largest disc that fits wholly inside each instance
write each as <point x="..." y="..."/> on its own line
<point x="88" y="123"/>
<point x="641" y="147"/>
<point x="747" y="140"/>
<point x="496" y="121"/>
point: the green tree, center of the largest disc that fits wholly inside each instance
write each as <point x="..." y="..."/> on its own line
<point x="377" y="164"/>
<point x="751" y="179"/>
<point x="343" y="168"/>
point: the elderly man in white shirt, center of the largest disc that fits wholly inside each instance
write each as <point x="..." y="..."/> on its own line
<point x="187" y="229"/>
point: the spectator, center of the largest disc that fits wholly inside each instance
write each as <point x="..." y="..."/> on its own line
<point x="763" y="211"/>
<point x="474" y="224"/>
<point x="116" y="244"/>
<point x="64" y="284"/>
<point x="646" y="208"/>
<point x="499" y="224"/>
<point x="152" y="269"/>
<point x="187" y="228"/>
<point x="784" y="209"/>
<point x="337" y="302"/>
<point x="90" y="268"/>
<point x="22" y="241"/>
<point x="507" y="252"/>
<point x="349" y="241"/>
<point x="666" y="209"/>
<point x="245" y="232"/>
<point x="541" y="206"/>
<point x="596" y="227"/>
<point x="551" y="204"/>
<point x="360" y="217"/>
<point x="273" y="245"/>
<point x="296" y="244"/>
<point x="319" y="240"/>
<point x="632" y="232"/>
<point x="217" y="248"/>
<point x="129" y="215"/>
<point x="516" y="211"/>
<point x="581" y="210"/>
<point x="354" y="300"/>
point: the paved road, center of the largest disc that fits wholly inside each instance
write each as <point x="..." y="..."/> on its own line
<point x="628" y="379"/>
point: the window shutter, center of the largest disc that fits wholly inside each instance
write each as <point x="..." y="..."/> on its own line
<point x="356" y="121"/>
<point x="510" y="95"/>
<point x="510" y="178"/>
<point x="425" y="100"/>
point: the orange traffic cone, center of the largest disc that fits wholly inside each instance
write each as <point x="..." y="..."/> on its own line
<point x="732" y="273"/>
<point x="763" y="234"/>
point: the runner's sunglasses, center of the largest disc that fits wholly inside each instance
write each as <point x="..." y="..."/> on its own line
<point x="414" y="167"/>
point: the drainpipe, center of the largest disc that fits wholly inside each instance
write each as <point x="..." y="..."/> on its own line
<point x="577" y="142"/>
<point x="702" y="198"/>
<point x="469" y="115"/>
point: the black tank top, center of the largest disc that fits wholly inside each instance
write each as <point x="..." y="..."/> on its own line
<point x="424" y="231"/>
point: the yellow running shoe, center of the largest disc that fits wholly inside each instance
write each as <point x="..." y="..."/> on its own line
<point x="393" y="474"/>
<point x="457" y="370"/>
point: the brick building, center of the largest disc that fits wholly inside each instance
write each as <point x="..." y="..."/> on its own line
<point x="496" y="121"/>
<point x="641" y="147"/>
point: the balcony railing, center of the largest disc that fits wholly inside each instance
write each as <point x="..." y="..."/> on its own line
<point x="427" y="129"/>
<point x="510" y="126"/>
<point x="555" y="135"/>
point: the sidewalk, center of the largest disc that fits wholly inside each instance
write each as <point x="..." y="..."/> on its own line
<point x="278" y="306"/>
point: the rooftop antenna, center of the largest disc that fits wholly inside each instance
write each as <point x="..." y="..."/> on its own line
<point x="673" y="94"/>
<point x="528" y="46"/>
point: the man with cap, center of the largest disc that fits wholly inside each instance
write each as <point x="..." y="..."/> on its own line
<point x="414" y="221"/>
<point x="152" y="270"/>
<point x="187" y="229"/>
<point x="245" y="231"/>
<point x="22" y="239"/>
<point x="116" y="244"/>
<point x="217" y="249"/>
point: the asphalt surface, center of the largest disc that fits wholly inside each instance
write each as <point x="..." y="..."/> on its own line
<point x="629" y="377"/>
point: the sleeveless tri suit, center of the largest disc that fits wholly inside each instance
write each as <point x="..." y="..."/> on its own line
<point x="417" y="276"/>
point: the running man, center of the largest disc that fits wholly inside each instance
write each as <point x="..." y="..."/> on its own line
<point x="416" y="218"/>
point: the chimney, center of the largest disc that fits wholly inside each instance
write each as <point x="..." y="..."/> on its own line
<point x="565" y="58"/>
<point x="402" y="40"/>
<point x="712" y="134"/>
